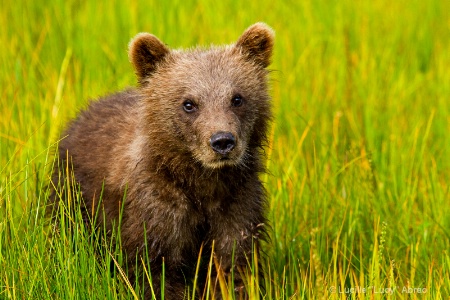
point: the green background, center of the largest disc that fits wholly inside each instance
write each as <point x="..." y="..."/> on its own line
<point x="359" y="160"/>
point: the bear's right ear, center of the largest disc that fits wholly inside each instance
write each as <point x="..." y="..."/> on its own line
<point x="256" y="43"/>
<point x="145" y="51"/>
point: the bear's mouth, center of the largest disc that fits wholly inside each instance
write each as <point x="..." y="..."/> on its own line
<point x="220" y="162"/>
<point x="214" y="160"/>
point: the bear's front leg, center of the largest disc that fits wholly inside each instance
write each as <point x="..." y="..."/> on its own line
<point x="173" y="283"/>
<point x="165" y="234"/>
<point x="235" y="246"/>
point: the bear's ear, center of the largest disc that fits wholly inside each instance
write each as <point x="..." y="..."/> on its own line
<point x="145" y="51"/>
<point x="256" y="43"/>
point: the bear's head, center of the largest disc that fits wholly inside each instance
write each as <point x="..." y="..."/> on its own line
<point x="210" y="105"/>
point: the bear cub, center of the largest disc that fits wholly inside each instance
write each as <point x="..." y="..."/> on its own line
<point x="178" y="158"/>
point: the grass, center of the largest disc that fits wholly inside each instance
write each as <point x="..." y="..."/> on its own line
<point x="359" y="158"/>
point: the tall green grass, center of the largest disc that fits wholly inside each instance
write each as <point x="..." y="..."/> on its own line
<point x="359" y="165"/>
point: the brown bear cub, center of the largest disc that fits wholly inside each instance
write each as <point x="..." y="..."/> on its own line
<point x="184" y="150"/>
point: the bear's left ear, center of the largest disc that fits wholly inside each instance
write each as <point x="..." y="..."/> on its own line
<point x="256" y="43"/>
<point x="145" y="51"/>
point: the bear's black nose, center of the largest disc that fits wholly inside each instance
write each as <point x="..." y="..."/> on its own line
<point x="222" y="142"/>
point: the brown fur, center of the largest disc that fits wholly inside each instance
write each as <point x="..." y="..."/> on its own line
<point x="178" y="188"/>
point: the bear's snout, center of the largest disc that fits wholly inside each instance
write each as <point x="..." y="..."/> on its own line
<point x="222" y="142"/>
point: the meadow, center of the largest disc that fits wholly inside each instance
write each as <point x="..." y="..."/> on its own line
<point x="359" y="156"/>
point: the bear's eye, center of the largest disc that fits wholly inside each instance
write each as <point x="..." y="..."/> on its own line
<point x="189" y="106"/>
<point x="237" y="100"/>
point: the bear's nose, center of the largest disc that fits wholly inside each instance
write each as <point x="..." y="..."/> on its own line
<point x="222" y="142"/>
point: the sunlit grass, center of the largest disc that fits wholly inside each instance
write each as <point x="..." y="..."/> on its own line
<point x="359" y="166"/>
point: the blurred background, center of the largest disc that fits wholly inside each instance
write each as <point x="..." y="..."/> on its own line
<point x="359" y="166"/>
